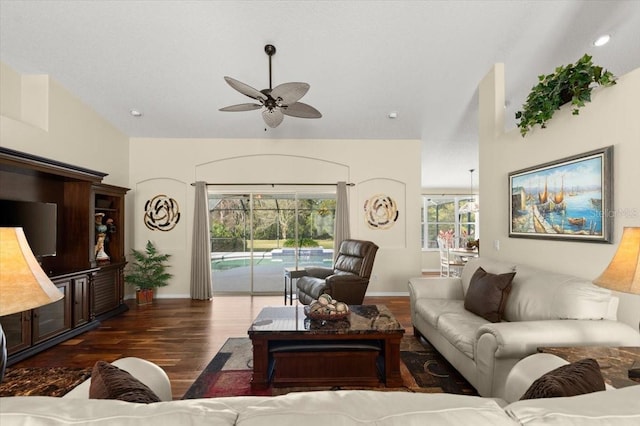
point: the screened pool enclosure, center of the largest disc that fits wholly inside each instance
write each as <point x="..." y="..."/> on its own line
<point x="255" y="235"/>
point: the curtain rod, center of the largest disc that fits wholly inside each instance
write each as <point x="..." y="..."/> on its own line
<point x="274" y="184"/>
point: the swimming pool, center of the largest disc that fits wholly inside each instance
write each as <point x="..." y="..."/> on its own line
<point x="222" y="261"/>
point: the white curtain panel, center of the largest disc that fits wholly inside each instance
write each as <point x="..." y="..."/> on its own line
<point x="201" y="284"/>
<point x="341" y="230"/>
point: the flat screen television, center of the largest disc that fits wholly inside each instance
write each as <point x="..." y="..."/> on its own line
<point x="38" y="220"/>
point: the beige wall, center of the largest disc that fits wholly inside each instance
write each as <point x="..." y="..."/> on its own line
<point x="40" y="117"/>
<point x="610" y="119"/>
<point x="169" y="166"/>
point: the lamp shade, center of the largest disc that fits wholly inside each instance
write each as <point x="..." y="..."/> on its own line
<point x="23" y="283"/>
<point x="623" y="273"/>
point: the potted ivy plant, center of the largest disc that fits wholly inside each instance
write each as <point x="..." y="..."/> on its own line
<point x="147" y="272"/>
<point x="570" y="83"/>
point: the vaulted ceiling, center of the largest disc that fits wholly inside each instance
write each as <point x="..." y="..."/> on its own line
<point x="363" y="60"/>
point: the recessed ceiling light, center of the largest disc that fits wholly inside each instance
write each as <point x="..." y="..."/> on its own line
<point x="135" y="113"/>
<point x="602" y="40"/>
<point x="393" y="114"/>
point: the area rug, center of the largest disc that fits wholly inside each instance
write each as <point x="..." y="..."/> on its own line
<point x="422" y="369"/>
<point x="42" y="381"/>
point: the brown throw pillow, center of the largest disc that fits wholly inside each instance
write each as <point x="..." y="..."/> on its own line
<point x="578" y="378"/>
<point x="110" y="382"/>
<point x="487" y="294"/>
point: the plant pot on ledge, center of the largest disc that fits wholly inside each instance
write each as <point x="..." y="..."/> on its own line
<point x="570" y="83"/>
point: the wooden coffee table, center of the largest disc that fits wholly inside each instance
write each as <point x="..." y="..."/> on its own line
<point x="290" y="349"/>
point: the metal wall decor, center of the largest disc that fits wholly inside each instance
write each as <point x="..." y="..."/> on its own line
<point x="380" y="212"/>
<point x="161" y="213"/>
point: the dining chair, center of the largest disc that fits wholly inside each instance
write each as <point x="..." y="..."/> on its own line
<point x="450" y="266"/>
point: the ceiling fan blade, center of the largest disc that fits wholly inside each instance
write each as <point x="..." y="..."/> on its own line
<point x="301" y="110"/>
<point x="289" y="92"/>
<point x="241" y="107"/>
<point x="273" y="117"/>
<point x="245" y="89"/>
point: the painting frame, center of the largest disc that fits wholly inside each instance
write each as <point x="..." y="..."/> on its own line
<point x="578" y="209"/>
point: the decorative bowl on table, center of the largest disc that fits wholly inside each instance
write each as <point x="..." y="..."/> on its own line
<point x="326" y="308"/>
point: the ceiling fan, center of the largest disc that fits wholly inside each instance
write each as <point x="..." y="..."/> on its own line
<point x="277" y="102"/>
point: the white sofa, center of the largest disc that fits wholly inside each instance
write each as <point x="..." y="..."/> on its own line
<point x="542" y="309"/>
<point x="619" y="407"/>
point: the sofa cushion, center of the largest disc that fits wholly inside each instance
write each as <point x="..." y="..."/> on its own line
<point x="579" y="298"/>
<point x="431" y="309"/>
<point x="326" y="408"/>
<point x="50" y="411"/>
<point x="542" y="295"/>
<point x="573" y="379"/>
<point x="110" y="382"/>
<point x="460" y="330"/>
<point x="488" y="293"/>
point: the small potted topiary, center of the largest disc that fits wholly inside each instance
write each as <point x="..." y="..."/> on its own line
<point x="147" y="272"/>
<point x="571" y="83"/>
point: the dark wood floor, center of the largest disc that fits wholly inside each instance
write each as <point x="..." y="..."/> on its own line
<point x="180" y="335"/>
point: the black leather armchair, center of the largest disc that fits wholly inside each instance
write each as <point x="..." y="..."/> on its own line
<point x="347" y="281"/>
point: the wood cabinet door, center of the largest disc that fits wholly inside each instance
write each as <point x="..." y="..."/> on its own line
<point x="54" y="318"/>
<point x="81" y="301"/>
<point x="17" y="331"/>
<point x="105" y="293"/>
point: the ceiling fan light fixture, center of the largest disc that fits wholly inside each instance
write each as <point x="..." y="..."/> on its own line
<point x="277" y="101"/>
<point x="272" y="117"/>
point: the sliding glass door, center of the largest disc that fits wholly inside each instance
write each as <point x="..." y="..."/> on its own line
<point x="230" y="234"/>
<point x="254" y="236"/>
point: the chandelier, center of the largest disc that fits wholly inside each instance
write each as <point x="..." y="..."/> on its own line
<point x="470" y="206"/>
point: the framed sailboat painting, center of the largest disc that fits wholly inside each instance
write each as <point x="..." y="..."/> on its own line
<point x="567" y="199"/>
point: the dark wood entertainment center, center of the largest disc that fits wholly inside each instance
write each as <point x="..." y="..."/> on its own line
<point x="92" y="291"/>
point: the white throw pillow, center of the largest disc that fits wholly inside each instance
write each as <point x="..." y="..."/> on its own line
<point x="542" y="295"/>
<point x="581" y="299"/>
